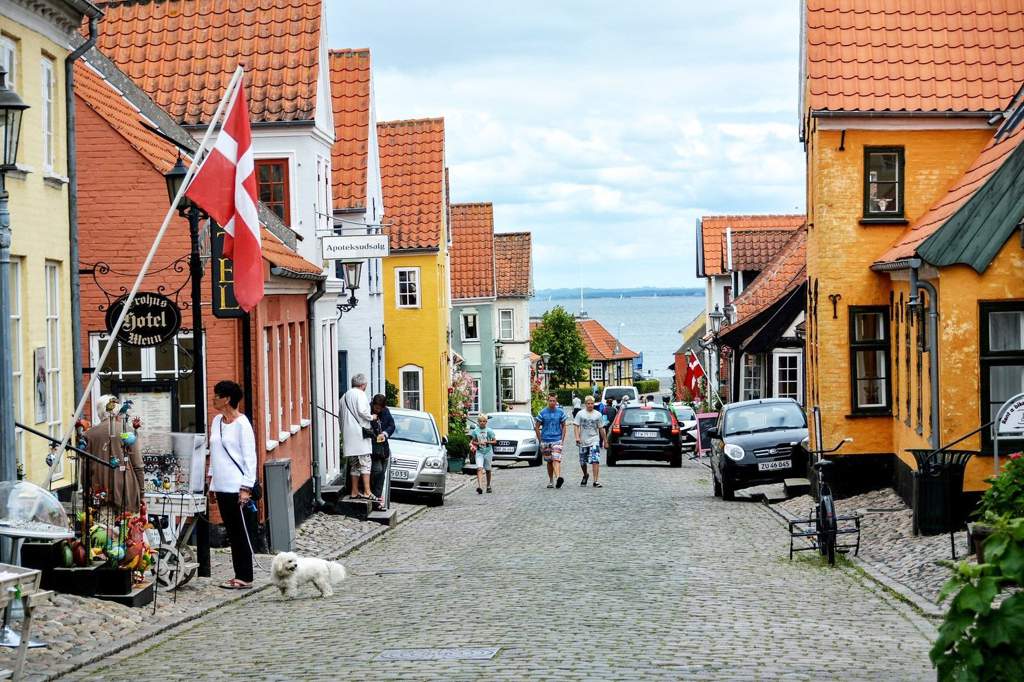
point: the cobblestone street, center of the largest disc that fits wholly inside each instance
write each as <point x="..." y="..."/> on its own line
<point x="649" y="577"/>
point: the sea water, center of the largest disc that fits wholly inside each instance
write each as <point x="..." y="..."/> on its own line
<point x="648" y="324"/>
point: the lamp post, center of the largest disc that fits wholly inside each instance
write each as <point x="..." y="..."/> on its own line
<point x="11" y="109"/>
<point x="351" y="274"/>
<point x="547" y="359"/>
<point x="188" y="210"/>
<point x="716" y="317"/>
<point x="498" y="352"/>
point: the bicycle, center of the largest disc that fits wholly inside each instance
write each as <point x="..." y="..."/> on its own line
<point x="828" y="525"/>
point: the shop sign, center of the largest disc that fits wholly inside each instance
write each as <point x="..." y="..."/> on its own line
<point x="152" y="319"/>
<point x="1010" y="418"/>
<point x="355" y="247"/>
<point x="225" y="305"/>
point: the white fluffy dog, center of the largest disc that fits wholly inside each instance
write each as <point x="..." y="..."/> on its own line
<point x="289" y="571"/>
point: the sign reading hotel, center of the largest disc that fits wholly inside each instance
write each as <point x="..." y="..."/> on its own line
<point x="355" y="247"/>
<point x="225" y="305"/>
<point x="152" y="319"/>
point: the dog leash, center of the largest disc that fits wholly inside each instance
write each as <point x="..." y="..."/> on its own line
<point x="248" y="539"/>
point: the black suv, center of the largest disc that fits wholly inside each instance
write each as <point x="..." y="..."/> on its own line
<point x="645" y="432"/>
<point x="756" y="442"/>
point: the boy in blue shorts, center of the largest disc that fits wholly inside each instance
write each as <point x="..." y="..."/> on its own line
<point x="550" y="425"/>
<point x="483" y="438"/>
<point x="590" y="438"/>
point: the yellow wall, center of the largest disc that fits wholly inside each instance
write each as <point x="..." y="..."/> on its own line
<point x="419" y="336"/>
<point x="39" y="222"/>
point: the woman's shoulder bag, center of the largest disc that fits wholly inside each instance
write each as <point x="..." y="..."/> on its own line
<point x="256" y="491"/>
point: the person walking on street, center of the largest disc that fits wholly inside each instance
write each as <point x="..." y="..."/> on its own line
<point x="610" y="410"/>
<point x="357" y="437"/>
<point x="550" y="425"/>
<point x="590" y="438"/>
<point x="576" y="404"/>
<point x="484" y="438"/>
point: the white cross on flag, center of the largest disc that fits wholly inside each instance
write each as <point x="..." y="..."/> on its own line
<point x="694" y="372"/>
<point x="225" y="187"/>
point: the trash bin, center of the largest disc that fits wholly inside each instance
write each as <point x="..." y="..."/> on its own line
<point x="938" y="490"/>
<point x="280" y="506"/>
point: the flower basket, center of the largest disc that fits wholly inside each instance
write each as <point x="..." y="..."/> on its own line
<point x="455" y="464"/>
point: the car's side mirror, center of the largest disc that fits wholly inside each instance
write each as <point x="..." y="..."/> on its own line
<point x="444" y="440"/>
<point x="713" y="433"/>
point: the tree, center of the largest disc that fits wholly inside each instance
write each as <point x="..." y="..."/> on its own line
<point x="558" y="336"/>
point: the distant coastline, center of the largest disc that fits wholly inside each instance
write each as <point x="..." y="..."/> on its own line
<point x="640" y="292"/>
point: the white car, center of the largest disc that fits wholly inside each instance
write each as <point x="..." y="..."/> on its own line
<point x="620" y="393"/>
<point x="687" y="424"/>
<point x="419" y="458"/>
<point x="517" y="441"/>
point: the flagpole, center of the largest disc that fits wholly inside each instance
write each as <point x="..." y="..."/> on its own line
<point x="236" y="78"/>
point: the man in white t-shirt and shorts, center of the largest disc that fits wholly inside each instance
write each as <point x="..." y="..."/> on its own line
<point x="590" y="438"/>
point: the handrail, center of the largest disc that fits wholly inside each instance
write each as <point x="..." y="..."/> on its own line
<point x="67" y="446"/>
<point x="961" y="439"/>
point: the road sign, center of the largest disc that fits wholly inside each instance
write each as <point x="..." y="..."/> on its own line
<point x="355" y="247"/>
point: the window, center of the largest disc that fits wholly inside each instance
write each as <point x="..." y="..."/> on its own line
<point x="753" y="376"/>
<point x="279" y="388"/>
<point x="869" y="359"/>
<point x="300" y="365"/>
<point x="9" y="61"/>
<point x="289" y="377"/>
<point x="407" y="287"/>
<point x="1002" y="361"/>
<point x="597" y="371"/>
<point x="506" y="324"/>
<point x="273" y="188"/>
<point x="411" y="387"/>
<point x="54" y="408"/>
<point x="883" y="182"/>
<point x="267" y="422"/>
<point x="787" y="376"/>
<point x="17" y="368"/>
<point x="507" y="376"/>
<point x="470" y="330"/>
<point x="474" y="407"/>
<point x="48" y="113"/>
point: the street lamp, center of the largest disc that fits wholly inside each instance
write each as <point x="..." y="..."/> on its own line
<point x="716" y="317"/>
<point x="191" y="212"/>
<point x="351" y="274"/>
<point x="547" y="371"/>
<point x="11" y="109"/>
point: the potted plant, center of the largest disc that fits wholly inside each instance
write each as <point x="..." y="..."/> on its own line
<point x="458" y="447"/>
<point x="1003" y="499"/>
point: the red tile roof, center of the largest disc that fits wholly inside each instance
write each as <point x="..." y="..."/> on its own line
<point x="600" y="343"/>
<point x="277" y="253"/>
<point x="913" y="55"/>
<point x="753" y="249"/>
<point x="183" y="52"/>
<point x="350" y="94"/>
<point x="513" y="263"/>
<point x="124" y="117"/>
<point x="713" y="227"/>
<point x="412" y="175"/>
<point x="988" y="162"/>
<point x="784" y="274"/>
<point x="472" y="251"/>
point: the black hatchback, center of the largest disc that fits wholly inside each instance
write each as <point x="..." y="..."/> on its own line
<point x="645" y="432"/>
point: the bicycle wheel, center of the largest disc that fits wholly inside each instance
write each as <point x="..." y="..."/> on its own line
<point x="827" y="534"/>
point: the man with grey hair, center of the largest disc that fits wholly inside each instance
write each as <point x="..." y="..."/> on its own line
<point x="357" y="436"/>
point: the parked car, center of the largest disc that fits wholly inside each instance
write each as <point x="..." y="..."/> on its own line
<point x="517" y="441"/>
<point x="419" y="460"/>
<point x="617" y="393"/>
<point x="756" y="442"/>
<point x="687" y="424"/>
<point x="645" y="432"/>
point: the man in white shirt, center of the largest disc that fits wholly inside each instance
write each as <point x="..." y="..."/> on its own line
<point x="356" y="445"/>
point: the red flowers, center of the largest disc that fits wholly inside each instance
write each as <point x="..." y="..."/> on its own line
<point x="1015" y="455"/>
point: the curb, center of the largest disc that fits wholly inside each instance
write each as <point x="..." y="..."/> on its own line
<point x="874" y="572"/>
<point x="158" y="633"/>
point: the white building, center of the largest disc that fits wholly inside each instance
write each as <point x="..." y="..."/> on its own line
<point x="513" y="265"/>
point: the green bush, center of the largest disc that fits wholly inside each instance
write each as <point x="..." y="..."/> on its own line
<point x="1005" y="496"/>
<point x="458" y="441"/>
<point x="391" y="394"/>
<point x="647" y="386"/>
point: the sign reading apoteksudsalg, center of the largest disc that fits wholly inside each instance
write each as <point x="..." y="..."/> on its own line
<point x="152" y="319"/>
<point x="355" y="247"/>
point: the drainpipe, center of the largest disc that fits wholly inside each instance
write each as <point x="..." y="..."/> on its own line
<point x="916" y="286"/>
<point x="69" y="107"/>
<point x="321" y="289"/>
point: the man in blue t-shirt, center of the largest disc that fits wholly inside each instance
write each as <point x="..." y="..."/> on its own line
<point x="550" y="425"/>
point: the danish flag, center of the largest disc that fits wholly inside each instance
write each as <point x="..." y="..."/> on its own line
<point x="225" y="187"/>
<point x="694" y="372"/>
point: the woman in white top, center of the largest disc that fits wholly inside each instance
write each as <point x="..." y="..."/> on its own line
<point x="232" y="476"/>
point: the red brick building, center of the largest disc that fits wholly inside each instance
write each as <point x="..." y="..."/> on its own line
<point x="122" y="199"/>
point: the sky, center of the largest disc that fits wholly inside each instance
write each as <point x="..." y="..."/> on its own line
<point x="604" y="128"/>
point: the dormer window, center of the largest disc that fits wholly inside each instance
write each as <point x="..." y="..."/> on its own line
<point x="883" y="183"/>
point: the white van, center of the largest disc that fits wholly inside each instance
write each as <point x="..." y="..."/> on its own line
<point x="617" y="393"/>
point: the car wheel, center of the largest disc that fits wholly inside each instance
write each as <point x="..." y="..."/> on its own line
<point x="676" y="459"/>
<point x="728" y="490"/>
<point x="611" y="460"/>
<point x="436" y="500"/>
<point x="538" y="460"/>
<point x="717" y="486"/>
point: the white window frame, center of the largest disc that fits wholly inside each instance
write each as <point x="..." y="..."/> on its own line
<point x="510" y="336"/>
<point x="465" y="329"/>
<point x="289" y="367"/>
<point x="267" y="416"/>
<point x="776" y="379"/>
<point x="410" y="369"/>
<point x="475" y="407"/>
<point x="300" y="383"/>
<point x="597" y="371"/>
<point x="745" y="392"/>
<point x="415" y="281"/>
<point x="511" y="373"/>
<point x="54" y="387"/>
<point x="17" y="360"/>
<point x="49" y="112"/>
<point x="9" y="61"/>
<point x="283" y="433"/>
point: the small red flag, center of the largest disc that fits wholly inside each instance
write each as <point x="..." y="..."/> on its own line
<point x="694" y="372"/>
<point x="225" y="187"/>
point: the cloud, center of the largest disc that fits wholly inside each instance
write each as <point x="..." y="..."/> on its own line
<point x="604" y="128"/>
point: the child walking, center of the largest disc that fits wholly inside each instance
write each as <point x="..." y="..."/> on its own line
<point x="483" y="437"/>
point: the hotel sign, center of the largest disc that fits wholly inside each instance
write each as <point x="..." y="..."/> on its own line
<point x="355" y="247"/>
<point x="225" y="305"/>
<point x="152" y="319"/>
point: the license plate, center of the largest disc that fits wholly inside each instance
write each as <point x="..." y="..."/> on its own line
<point x="399" y="475"/>
<point x="771" y="466"/>
<point x="504" y="451"/>
<point x="645" y="434"/>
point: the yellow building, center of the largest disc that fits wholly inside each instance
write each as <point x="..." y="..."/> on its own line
<point x="417" y="294"/>
<point x="915" y="310"/>
<point x="35" y="41"/>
